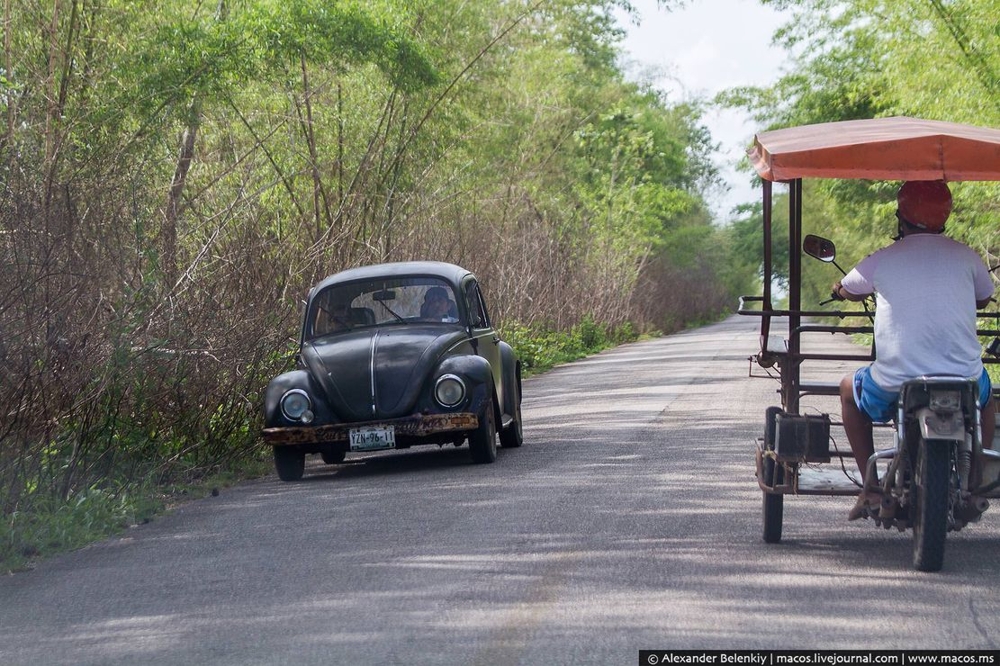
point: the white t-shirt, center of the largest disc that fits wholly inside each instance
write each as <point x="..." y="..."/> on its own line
<point x="926" y="287"/>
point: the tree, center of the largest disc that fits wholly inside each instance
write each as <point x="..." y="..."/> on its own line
<point x="177" y="176"/>
<point x="868" y="58"/>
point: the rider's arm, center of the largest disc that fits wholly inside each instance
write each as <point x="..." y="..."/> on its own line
<point x="983" y="284"/>
<point x="859" y="283"/>
<point x="846" y="295"/>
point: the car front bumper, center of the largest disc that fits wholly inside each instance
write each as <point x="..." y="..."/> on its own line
<point x="419" y="425"/>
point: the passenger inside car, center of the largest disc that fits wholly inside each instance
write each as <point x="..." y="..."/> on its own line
<point x="338" y="318"/>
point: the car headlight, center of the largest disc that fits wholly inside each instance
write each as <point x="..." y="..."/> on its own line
<point x="449" y="390"/>
<point x="296" y="406"/>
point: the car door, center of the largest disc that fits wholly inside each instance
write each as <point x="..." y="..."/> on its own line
<point x="485" y="340"/>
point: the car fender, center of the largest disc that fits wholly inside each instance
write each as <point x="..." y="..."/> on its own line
<point x="474" y="369"/>
<point x="277" y="387"/>
<point x="478" y="374"/>
<point x="511" y="379"/>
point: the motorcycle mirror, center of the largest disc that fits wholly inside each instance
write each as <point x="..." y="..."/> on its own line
<point x="822" y="249"/>
<point x="819" y="248"/>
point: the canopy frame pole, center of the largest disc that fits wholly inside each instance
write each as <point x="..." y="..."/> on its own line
<point x="790" y="376"/>
<point x="767" y="269"/>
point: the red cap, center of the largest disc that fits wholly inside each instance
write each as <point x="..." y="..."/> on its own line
<point x="925" y="203"/>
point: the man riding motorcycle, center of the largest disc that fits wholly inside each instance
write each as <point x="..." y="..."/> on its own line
<point x="927" y="289"/>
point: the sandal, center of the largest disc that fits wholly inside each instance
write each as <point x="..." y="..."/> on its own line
<point x="866" y="505"/>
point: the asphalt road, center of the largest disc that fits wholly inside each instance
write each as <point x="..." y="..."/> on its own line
<point x="630" y="519"/>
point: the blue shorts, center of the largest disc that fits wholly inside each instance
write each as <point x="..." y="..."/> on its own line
<point x="881" y="405"/>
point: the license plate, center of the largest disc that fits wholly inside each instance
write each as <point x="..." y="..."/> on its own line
<point x="373" y="439"/>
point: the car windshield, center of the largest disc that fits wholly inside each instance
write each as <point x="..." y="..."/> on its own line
<point x="396" y="301"/>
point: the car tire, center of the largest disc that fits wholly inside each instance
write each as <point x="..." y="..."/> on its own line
<point x="290" y="463"/>
<point x="511" y="437"/>
<point x="333" y="457"/>
<point x="483" y="440"/>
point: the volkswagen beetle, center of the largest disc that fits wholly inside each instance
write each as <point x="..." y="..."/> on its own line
<point x="392" y="356"/>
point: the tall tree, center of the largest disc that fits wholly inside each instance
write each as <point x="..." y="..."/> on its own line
<point x="867" y="58"/>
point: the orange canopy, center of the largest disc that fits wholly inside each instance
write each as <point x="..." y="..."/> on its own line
<point x="879" y="149"/>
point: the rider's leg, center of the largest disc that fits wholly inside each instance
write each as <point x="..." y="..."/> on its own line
<point x="857" y="425"/>
<point x="988" y="424"/>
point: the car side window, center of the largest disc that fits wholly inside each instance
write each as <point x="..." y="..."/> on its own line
<point x="477" y="308"/>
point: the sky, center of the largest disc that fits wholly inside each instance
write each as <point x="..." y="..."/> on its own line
<point x="700" y="50"/>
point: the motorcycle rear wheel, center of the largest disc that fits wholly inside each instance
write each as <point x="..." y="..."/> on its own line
<point x="930" y="515"/>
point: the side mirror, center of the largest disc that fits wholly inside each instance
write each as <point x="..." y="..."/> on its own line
<point x="819" y="248"/>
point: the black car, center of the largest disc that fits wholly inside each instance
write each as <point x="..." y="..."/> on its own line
<point x="392" y="356"/>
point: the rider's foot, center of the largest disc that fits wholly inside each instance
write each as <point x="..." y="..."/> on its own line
<point x="868" y="502"/>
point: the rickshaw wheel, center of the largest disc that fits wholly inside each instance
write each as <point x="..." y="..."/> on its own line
<point x="773" y="505"/>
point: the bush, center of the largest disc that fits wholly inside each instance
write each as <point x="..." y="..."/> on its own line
<point x="541" y="349"/>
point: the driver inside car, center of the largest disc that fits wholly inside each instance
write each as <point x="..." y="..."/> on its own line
<point x="437" y="306"/>
<point x="927" y="289"/>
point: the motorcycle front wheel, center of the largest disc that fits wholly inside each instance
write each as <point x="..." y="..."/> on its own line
<point x="930" y="516"/>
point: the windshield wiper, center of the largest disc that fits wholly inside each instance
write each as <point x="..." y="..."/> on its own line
<point x="390" y="311"/>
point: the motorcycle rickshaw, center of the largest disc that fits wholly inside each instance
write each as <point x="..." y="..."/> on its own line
<point x="938" y="475"/>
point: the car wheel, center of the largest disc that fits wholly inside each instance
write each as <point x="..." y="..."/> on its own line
<point x="483" y="440"/>
<point x="511" y="437"/>
<point x="333" y="457"/>
<point x="290" y="463"/>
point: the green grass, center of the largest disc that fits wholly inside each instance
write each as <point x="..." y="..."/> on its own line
<point x="44" y="526"/>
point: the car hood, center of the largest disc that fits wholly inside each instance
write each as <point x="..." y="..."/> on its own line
<point x="377" y="373"/>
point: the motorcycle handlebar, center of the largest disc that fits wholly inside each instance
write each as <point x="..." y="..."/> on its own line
<point x="834" y="296"/>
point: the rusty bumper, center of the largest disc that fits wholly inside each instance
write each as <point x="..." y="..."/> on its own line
<point x="420" y="425"/>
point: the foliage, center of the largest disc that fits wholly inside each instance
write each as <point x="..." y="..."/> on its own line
<point x="541" y="349"/>
<point x="53" y="526"/>
<point x="176" y="175"/>
<point x="869" y="58"/>
<point x="746" y="232"/>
